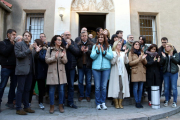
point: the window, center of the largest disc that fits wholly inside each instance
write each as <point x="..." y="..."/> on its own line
<point x="148" y="28"/>
<point x="35" y="25"/>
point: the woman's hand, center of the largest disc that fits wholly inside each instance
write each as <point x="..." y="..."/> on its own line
<point x="57" y="53"/>
<point x="38" y="48"/>
<point x="155" y="58"/>
<point x="62" y="54"/>
<point x="159" y="59"/>
<point x="126" y="51"/>
<point x="98" y="47"/>
<point x="102" y="49"/>
<point x="144" y="56"/>
<point x="163" y="54"/>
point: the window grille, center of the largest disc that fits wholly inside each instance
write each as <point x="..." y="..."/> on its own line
<point x="35" y="25"/>
<point x="148" y="28"/>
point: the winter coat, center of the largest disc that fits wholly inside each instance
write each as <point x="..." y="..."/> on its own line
<point x="101" y="61"/>
<point x="56" y="70"/>
<point x="88" y="44"/>
<point x="174" y="60"/>
<point x="114" y="87"/>
<point x="40" y="65"/>
<point x="138" y="68"/>
<point x="7" y="54"/>
<point x="152" y="72"/>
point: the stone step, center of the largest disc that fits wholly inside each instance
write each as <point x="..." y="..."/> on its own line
<point x="92" y="104"/>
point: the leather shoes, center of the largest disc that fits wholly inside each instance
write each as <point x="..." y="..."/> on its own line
<point x="72" y="106"/>
<point x="80" y="99"/>
<point x="88" y="99"/>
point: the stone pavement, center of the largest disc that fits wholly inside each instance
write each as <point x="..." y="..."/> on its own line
<point x="129" y="112"/>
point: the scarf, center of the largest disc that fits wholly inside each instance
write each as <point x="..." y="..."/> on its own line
<point x="152" y="54"/>
<point x="138" y="52"/>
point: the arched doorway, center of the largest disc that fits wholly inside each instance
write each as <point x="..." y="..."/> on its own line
<point x="92" y="14"/>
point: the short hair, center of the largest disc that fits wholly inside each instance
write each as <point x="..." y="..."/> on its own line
<point x="10" y="31"/>
<point x="119" y="31"/>
<point x="43" y="34"/>
<point x="83" y="33"/>
<point x="143" y="38"/>
<point x="98" y="29"/>
<point x="17" y="38"/>
<point x="151" y="46"/>
<point x="129" y="35"/>
<point x="39" y="42"/>
<point x="62" y="34"/>
<point x="27" y="32"/>
<point x="164" y="38"/>
<point x="83" y="27"/>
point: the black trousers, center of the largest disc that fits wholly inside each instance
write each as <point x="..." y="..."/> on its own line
<point x="23" y="89"/>
<point x="41" y="88"/>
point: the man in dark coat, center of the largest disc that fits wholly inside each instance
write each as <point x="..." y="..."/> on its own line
<point x="72" y="52"/>
<point x="84" y="64"/>
<point x="8" y="63"/>
<point x="24" y="71"/>
<point x="99" y="30"/>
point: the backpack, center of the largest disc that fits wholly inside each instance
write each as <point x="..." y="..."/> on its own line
<point x="0" y="54"/>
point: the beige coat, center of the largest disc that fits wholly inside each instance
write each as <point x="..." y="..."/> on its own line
<point x="52" y="75"/>
<point x="114" y="87"/>
<point x="138" y="69"/>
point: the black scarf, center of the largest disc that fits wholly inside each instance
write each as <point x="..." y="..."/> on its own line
<point x="138" y="52"/>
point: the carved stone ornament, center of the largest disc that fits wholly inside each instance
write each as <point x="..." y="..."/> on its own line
<point x="93" y="5"/>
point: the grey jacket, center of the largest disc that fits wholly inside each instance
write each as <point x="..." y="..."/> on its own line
<point x="23" y="61"/>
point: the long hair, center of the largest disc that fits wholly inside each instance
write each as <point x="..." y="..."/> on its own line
<point x="54" y="38"/>
<point x="105" y="40"/>
<point x="115" y="45"/>
<point x="39" y="42"/>
<point x="132" y="48"/>
<point x="172" y="48"/>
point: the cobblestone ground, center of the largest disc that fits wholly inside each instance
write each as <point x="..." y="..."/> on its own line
<point x="129" y="112"/>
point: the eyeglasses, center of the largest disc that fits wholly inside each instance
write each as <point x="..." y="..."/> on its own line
<point x="67" y="34"/>
<point x="42" y="36"/>
<point x="164" y="42"/>
<point x="59" y="39"/>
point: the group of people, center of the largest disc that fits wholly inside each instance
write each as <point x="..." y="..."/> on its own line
<point x="129" y="66"/>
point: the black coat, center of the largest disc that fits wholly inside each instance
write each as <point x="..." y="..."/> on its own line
<point x="152" y="72"/>
<point x="7" y="54"/>
<point x="72" y="53"/>
<point x="88" y="44"/>
<point x="41" y="66"/>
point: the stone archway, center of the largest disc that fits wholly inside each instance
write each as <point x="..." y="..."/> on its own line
<point x="92" y="7"/>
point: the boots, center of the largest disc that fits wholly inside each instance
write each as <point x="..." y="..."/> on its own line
<point x="51" y="111"/>
<point x="61" y="110"/>
<point x="21" y="112"/>
<point x="116" y="103"/>
<point x="120" y="103"/>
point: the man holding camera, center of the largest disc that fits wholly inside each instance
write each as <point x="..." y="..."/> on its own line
<point x="8" y="64"/>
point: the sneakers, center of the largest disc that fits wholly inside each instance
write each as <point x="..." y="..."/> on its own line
<point x="174" y="105"/>
<point x="166" y="103"/>
<point x="72" y="106"/>
<point x="149" y="103"/>
<point x="41" y="106"/>
<point x="11" y="106"/>
<point x="104" y="106"/>
<point x="98" y="107"/>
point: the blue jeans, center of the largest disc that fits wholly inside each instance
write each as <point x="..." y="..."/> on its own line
<point x="23" y="90"/>
<point x="70" y="80"/>
<point x="100" y="80"/>
<point x="170" y="79"/>
<point x="137" y="91"/>
<point x="88" y="73"/>
<point x="5" y="74"/>
<point x="52" y="89"/>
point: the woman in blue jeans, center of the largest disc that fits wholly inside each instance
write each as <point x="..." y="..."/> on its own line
<point x="101" y="54"/>
<point x="56" y="75"/>
<point x="137" y="62"/>
<point x="169" y="62"/>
